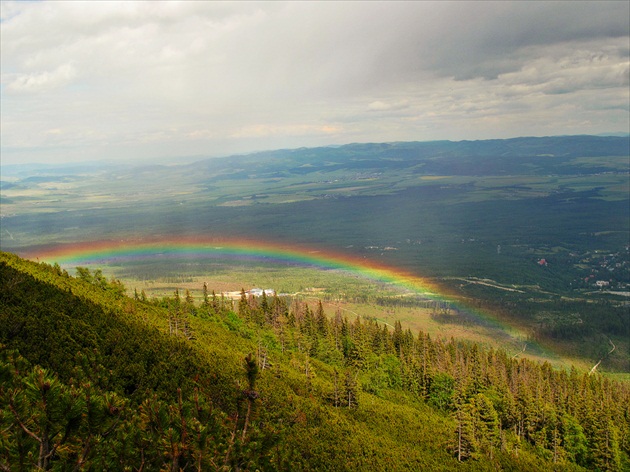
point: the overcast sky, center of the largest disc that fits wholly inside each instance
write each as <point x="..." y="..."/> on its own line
<point x="123" y="80"/>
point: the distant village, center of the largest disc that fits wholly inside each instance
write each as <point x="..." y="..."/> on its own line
<point x="604" y="270"/>
<point x="256" y="292"/>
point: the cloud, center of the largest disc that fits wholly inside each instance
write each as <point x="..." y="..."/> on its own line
<point x="379" y="105"/>
<point x="213" y="77"/>
<point x="588" y="65"/>
<point x="42" y="81"/>
<point x="486" y="39"/>
<point x="263" y="130"/>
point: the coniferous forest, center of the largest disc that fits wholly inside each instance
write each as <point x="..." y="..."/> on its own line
<point x="91" y="379"/>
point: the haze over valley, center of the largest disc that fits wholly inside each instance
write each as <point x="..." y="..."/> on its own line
<point x="524" y="225"/>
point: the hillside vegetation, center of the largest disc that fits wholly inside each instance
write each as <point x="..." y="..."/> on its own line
<point x="94" y="380"/>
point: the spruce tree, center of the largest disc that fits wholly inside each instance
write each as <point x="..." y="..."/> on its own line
<point x="351" y="399"/>
<point x="206" y="299"/>
<point x="604" y="447"/>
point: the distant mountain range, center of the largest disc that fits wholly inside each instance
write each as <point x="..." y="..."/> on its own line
<point x="615" y="144"/>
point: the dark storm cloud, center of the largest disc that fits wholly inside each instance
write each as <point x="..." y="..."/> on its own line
<point x="484" y="39"/>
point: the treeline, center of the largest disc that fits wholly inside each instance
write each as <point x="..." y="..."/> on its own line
<point x="499" y="402"/>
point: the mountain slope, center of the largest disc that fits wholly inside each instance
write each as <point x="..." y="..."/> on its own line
<point x="95" y="380"/>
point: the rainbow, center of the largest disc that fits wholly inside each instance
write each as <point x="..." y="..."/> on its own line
<point x="106" y="252"/>
<point x="112" y="252"/>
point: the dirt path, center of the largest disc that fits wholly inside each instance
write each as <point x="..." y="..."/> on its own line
<point x="487" y="283"/>
<point x="600" y="361"/>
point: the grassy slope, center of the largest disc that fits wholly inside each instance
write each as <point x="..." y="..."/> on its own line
<point x="51" y="318"/>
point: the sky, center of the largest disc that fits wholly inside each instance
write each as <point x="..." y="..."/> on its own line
<point x="83" y="81"/>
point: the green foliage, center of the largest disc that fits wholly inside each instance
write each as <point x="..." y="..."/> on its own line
<point x="49" y="425"/>
<point x="95" y="381"/>
<point x="574" y="441"/>
<point x="441" y="391"/>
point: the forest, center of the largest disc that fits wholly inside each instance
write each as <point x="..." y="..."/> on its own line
<point x="92" y="379"/>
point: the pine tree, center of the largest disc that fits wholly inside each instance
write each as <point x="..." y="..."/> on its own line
<point x="217" y="306"/>
<point x="206" y="298"/>
<point x="604" y="445"/>
<point x="463" y="447"/>
<point x="250" y="394"/>
<point x="101" y="419"/>
<point x="264" y="309"/>
<point x="351" y="399"/>
<point x="398" y="338"/>
<point x="174" y="314"/>
<point x="321" y="320"/>
<point x="336" y="389"/>
<point x="84" y="274"/>
<point x="190" y="301"/>
<point x="441" y="391"/>
<point x="244" y="309"/>
<point x="478" y="427"/>
<point x="47" y="411"/>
